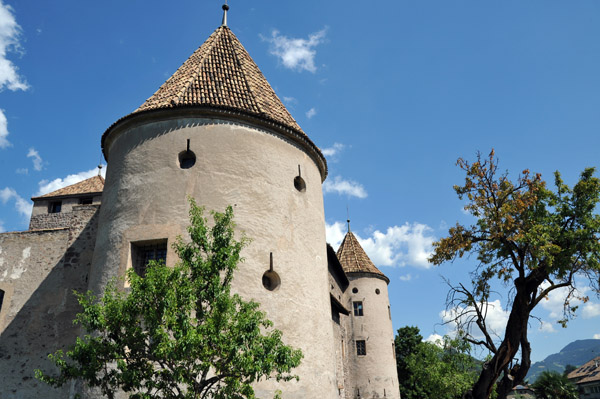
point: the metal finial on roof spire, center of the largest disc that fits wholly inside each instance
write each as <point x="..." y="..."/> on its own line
<point x="100" y="170"/>
<point x="348" y="216"/>
<point x="225" y="9"/>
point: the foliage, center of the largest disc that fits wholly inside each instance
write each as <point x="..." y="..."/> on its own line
<point x="428" y="370"/>
<point x="568" y="369"/>
<point x="531" y="239"/>
<point x="179" y="332"/>
<point x="553" y="385"/>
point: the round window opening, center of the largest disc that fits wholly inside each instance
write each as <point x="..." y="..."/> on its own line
<point x="187" y="159"/>
<point x="271" y="280"/>
<point x="299" y="184"/>
<point x="354" y="290"/>
<point x="377" y="291"/>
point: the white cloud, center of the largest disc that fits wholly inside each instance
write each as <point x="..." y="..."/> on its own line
<point x="22" y="171"/>
<point x="35" y="158"/>
<point x="311" y="112"/>
<point x="496" y="319"/>
<point x="596" y="336"/>
<point x="10" y="33"/>
<point x="409" y="244"/>
<point x="3" y="130"/>
<point x="289" y="100"/>
<point x="406" y="245"/>
<point x="406" y="277"/>
<point x="340" y="186"/>
<point x="333" y="151"/>
<point x="547" y="327"/>
<point x="591" y="310"/>
<point x="436" y="339"/>
<point x="22" y="205"/>
<point x="335" y="233"/>
<point x="2" y="229"/>
<point x="294" y="53"/>
<point x="49" y="186"/>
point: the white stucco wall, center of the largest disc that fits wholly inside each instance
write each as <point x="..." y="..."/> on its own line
<point x="252" y="169"/>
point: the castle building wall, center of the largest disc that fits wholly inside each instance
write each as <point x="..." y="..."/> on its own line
<point x="38" y="272"/>
<point x="374" y="373"/>
<point x="251" y="168"/>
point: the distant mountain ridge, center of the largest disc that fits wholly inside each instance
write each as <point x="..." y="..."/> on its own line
<point x="576" y="353"/>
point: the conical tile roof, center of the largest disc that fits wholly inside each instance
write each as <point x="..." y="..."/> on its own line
<point x="354" y="259"/>
<point x="221" y="73"/>
<point x="93" y="185"/>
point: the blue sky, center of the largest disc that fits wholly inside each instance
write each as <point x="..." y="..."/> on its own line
<point x="392" y="91"/>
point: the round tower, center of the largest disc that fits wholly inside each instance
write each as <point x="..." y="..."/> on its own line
<point x="217" y="131"/>
<point x="371" y="353"/>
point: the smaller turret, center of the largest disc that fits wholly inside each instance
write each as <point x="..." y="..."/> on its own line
<point x="372" y="363"/>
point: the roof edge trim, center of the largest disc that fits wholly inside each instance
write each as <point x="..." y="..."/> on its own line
<point x="206" y="110"/>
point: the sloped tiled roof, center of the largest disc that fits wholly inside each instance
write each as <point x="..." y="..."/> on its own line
<point x="589" y="372"/>
<point x="354" y="259"/>
<point x="221" y="73"/>
<point x="93" y="185"/>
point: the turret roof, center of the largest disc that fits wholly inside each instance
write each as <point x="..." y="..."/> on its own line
<point x="221" y="73"/>
<point x="93" y="185"/>
<point x="354" y="259"/>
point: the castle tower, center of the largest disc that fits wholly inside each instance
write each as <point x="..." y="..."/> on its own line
<point x="372" y="362"/>
<point x="217" y="131"/>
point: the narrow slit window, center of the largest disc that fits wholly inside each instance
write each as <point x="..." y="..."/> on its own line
<point x="1" y="299"/>
<point x="361" y="347"/>
<point x="86" y="201"/>
<point x="358" y="308"/>
<point x="144" y="253"/>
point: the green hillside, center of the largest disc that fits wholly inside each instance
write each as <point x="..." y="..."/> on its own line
<point x="576" y="353"/>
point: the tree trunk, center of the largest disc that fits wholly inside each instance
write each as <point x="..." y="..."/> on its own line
<point x="515" y="336"/>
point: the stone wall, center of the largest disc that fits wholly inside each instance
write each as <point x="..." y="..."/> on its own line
<point x="39" y="270"/>
<point x="49" y="221"/>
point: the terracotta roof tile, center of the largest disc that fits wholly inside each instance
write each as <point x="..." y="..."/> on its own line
<point x="93" y="185"/>
<point x="354" y="259"/>
<point x="589" y="372"/>
<point x="221" y="73"/>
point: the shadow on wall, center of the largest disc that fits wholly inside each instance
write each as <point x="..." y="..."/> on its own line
<point x="44" y="323"/>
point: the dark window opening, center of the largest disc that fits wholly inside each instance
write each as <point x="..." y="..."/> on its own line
<point x="187" y="159"/>
<point x="358" y="308"/>
<point x="299" y="184"/>
<point x="354" y="290"/>
<point x="361" y="348"/>
<point x="55" y="207"/>
<point x="335" y="315"/>
<point x="1" y="299"/>
<point x="86" y="201"/>
<point x="377" y="291"/>
<point x="143" y="253"/>
<point x="271" y="280"/>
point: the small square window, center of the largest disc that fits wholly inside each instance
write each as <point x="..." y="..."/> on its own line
<point x="361" y="348"/>
<point x="86" y="201"/>
<point x="358" y="308"/>
<point x="55" y="207"/>
<point x="144" y="252"/>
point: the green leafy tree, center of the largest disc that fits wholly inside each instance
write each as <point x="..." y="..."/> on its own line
<point x="553" y="385"/>
<point x="568" y="369"/>
<point x="531" y="239"/>
<point x="433" y="371"/>
<point x="178" y="332"/>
